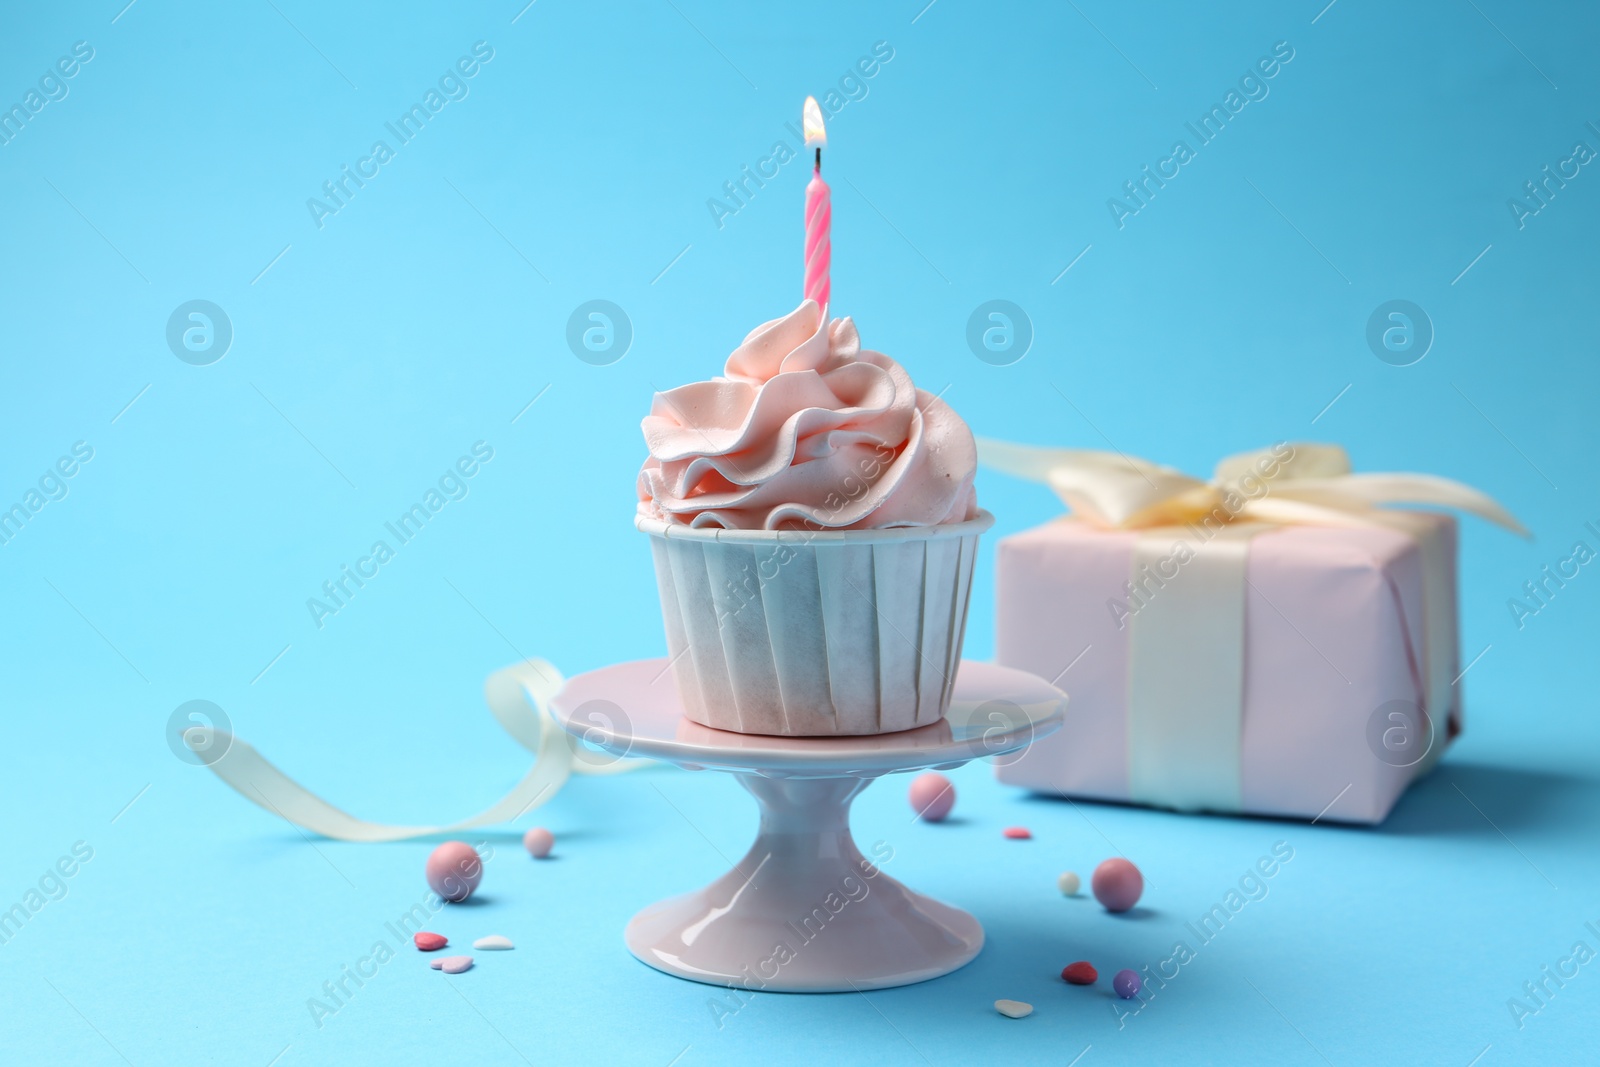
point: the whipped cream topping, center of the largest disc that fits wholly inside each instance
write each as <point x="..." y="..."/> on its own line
<point x="806" y="430"/>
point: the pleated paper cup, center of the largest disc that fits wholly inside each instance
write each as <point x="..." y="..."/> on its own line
<point x="815" y="634"/>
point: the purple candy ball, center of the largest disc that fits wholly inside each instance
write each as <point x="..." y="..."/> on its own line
<point x="1127" y="984"/>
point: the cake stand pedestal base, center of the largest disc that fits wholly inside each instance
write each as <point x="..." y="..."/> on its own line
<point x="805" y="911"/>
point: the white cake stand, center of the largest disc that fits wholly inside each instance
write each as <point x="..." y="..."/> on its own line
<point x="805" y="911"/>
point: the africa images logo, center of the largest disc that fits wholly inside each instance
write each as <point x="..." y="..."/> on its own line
<point x="1252" y="87"/>
<point x="741" y="190"/>
<point x="452" y="485"/>
<point x="452" y="86"/>
<point x="52" y="88"/>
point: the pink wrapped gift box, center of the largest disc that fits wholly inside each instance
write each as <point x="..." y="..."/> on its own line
<point x="1268" y="642"/>
<point x="1334" y="631"/>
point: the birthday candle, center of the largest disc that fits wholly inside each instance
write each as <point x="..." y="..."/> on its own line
<point x="819" y="212"/>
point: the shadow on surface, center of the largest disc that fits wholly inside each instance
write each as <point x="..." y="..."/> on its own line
<point x="1478" y="798"/>
<point x="1442" y="802"/>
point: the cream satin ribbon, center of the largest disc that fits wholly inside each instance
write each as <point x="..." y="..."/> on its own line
<point x="1186" y="646"/>
<point x="519" y="698"/>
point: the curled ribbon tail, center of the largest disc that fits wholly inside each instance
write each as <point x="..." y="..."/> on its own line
<point x="1107" y="488"/>
<point x="1380" y="488"/>
<point x="1029" y="461"/>
<point x="517" y="695"/>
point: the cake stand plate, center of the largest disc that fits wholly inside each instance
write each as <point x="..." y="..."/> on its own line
<point x="805" y="911"/>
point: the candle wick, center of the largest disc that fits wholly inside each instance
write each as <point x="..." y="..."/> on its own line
<point x="819" y="159"/>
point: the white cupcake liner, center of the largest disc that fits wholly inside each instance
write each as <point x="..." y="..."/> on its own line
<point x="812" y="634"/>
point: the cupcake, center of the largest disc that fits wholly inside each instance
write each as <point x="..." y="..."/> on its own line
<point x="814" y="527"/>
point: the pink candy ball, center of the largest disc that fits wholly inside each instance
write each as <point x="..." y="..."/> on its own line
<point x="1117" y="884"/>
<point x="932" y="796"/>
<point x="454" y="871"/>
<point x="538" y="842"/>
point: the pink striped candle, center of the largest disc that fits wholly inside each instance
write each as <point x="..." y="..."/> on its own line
<point x="819" y="213"/>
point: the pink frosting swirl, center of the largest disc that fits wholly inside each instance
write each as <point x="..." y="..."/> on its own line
<point x="807" y="430"/>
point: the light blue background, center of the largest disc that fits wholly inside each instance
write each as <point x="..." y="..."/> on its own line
<point x="427" y="313"/>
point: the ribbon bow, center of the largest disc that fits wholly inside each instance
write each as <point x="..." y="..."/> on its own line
<point x="1299" y="484"/>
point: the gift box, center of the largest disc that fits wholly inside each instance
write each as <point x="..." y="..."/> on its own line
<point x="1268" y="642"/>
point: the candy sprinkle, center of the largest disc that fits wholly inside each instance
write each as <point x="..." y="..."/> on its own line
<point x="932" y="796"/>
<point x="1117" y="884"/>
<point x="493" y="943"/>
<point x="1080" y="973"/>
<point x="1127" y="984"/>
<point x="454" y="870"/>
<point x="1017" y="833"/>
<point x="1013" y="1009"/>
<point x="1069" y="884"/>
<point x="452" y="964"/>
<point x="428" y="942"/>
<point x="538" y="841"/>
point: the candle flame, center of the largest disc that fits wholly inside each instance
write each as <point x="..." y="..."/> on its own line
<point x="811" y="120"/>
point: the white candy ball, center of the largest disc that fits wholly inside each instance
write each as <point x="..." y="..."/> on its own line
<point x="1069" y="883"/>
